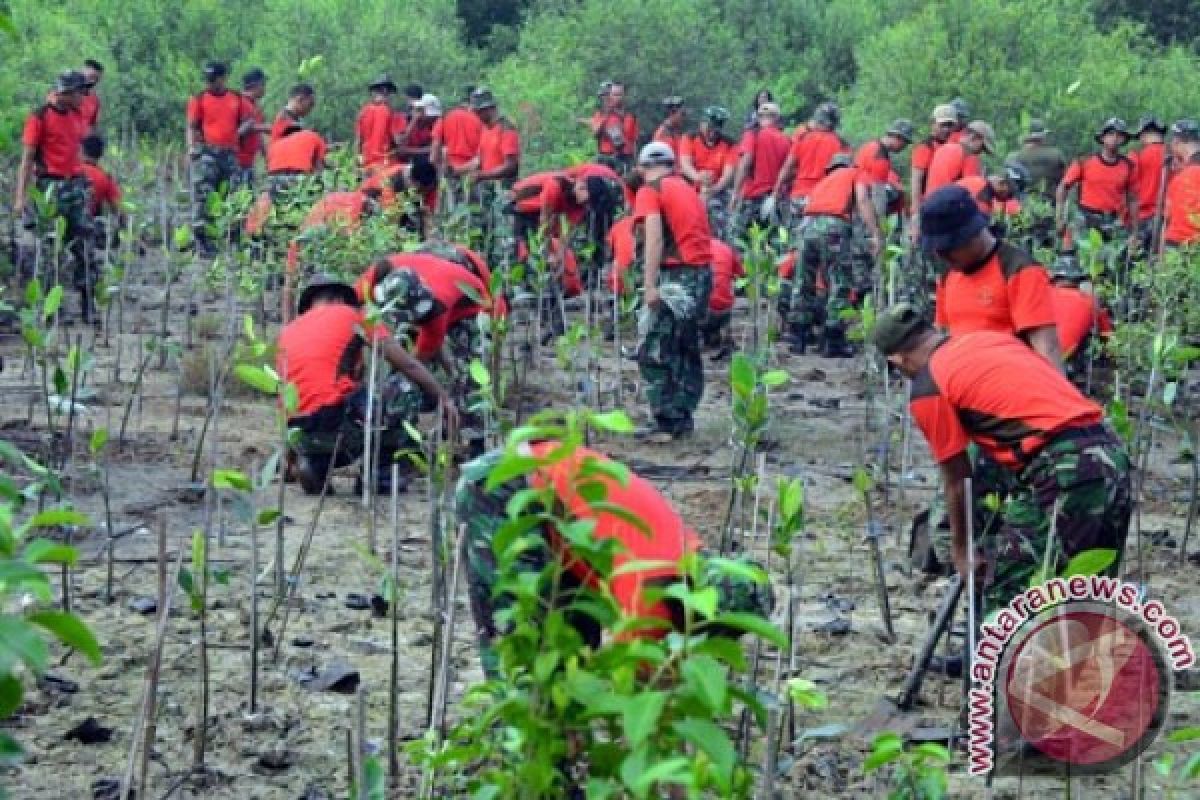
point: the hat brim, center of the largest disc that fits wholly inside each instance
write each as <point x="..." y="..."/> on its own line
<point x="391" y="87"/>
<point x="901" y="136"/>
<point x="932" y="243"/>
<point x="1155" y="128"/>
<point x="1125" y="135"/>
<point x="483" y="106"/>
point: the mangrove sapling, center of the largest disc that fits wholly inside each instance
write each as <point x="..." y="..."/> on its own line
<point x="150" y="346"/>
<point x="394" y="618"/>
<point x="863" y="484"/>
<point x="194" y="582"/>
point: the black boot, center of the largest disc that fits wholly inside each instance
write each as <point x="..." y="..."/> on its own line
<point x="834" y="344"/>
<point x="800" y="335"/>
<point x="313" y="471"/>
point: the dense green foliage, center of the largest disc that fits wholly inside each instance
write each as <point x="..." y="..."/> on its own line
<point x="545" y="58"/>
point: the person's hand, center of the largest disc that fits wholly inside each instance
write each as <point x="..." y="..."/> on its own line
<point x="450" y="416"/>
<point x="914" y="234"/>
<point x="959" y="555"/>
<point x="651" y="297"/>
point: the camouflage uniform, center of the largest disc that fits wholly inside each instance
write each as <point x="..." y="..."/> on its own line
<point x="70" y="200"/>
<point x="825" y="249"/>
<point x="399" y="403"/>
<point x="749" y="214"/>
<point x="1086" y="473"/>
<point x="466" y="343"/>
<point x="718" y="215"/>
<point x="669" y="356"/>
<point x="212" y="168"/>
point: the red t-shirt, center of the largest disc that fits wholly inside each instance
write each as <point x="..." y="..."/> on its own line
<point x="1102" y="186"/>
<point x="922" y="154"/>
<point x="249" y="145"/>
<point x="665" y="540"/>
<point x="89" y="110"/>
<point x="812" y="150"/>
<point x="709" y="160"/>
<point x="949" y="164"/>
<point x="725" y="267"/>
<point x="321" y="352"/>
<point x="218" y="117"/>
<point x="589" y="169"/>
<point x="1147" y="178"/>
<point x="549" y="191"/>
<point x="105" y="191"/>
<point x="282" y="122"/>
<point x="833" y="196"/>
<point x="623" y="246"/>
<point x="992" y="389"/>
<point x="672" y="138"/>
<point x="611" y="125"/>
<point x="1183" y="206"/>
<point x="497" y="143"/>
<point x="297" y="152"/>
<point x="55" y="137"/>
<point x="376" y="125"/>
<point x="459" y="131"/>
<point x="1009" y="294"/>
<point x="1077" y="315"/>
<point x="768" y="148"/>
<point x="874" y="161"/>
<point x="445" y="280"/>
<point x="686" y="234"/>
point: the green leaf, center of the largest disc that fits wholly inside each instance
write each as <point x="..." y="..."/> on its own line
<point x="186" y="581"/>
<point x="1188" y="734"/>
<point x="10" y="750"/>
<point x="71" y="631"/>
<point x="199" y="552"/>
<point x="671" y="770"/>
<point x="775" y="378"/>
<point x="1090" y="562"/>
<point x="862" y="481"/>
<point x="257" y="378"/>
<point x="886" y="748"/>
<point x="11" y="692"/>
<point x="231" y="479"/>
<point x="752" y="623"/>
<point x="741" y="374"/>
<point x="57" y="517"/>
<point x="53" y="302"/>
<point x="510" y="467"/>
<point x="479" y="374"/>
<point x="44" y="551"/>
<point x="20" y="641"/>
<point x="291" y="398"/>
<point x="98" y="440"/>
<point x="713" y="742"/>
<point x="1191" y="768"/>
<point x="807" y="694"/>
<point x="268" y="516"/>
<point x="640" y="716"/>
<point x="705" y="676"/>
<point x="615" y="421"/>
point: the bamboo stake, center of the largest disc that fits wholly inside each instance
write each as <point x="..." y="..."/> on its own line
<point x="394" y="609"/>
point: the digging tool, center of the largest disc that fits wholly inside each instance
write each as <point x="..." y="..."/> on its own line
<point x="885" y="606"/>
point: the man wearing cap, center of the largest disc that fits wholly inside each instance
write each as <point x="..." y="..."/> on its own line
<point x="250" y="139"/>
<point x="302" y="98"/>
<point x="762" y="152"/>
<point x="1045" y="163"/>
<point x="874" y="158"/>
<point x="416" y="142"/>
<point x="89" y="106"/>
<point x="321" y="353"/>
<point x="615" y="129"/>
<point x="493" y="171"/>
<point x="1149" y="177"/>
<point x="1105" y="183"/>
<point x="944" y="121"/>
<point x="813" y="145"/>
<point x="671" y="132"/>
<point x="299" y="152"/>
<point x="50" y="162"/>
<point x="1070" y="471"/>
<point x="677" y="245"/>
<point x="648" y="555"/>
<point x="455" y="146"/>
<point x="999" y="194"/>
<point x="1078" y="315"/>
<point x="953" y="161"/>
<point x="1183" y="193"/>
<point x="708" y="158"/>
<point x="826" y="255"/>
<point x="215" y="117"/>
<point x="377" y="126"/>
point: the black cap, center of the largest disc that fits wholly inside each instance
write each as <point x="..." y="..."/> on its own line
<point x="255" y="77"/>
<point x="949" y="219"/>
<point x="383" y="81"/>
<point x="482" y="98"/>
<point x="70" y="81"/>
<point x="214" y="70"/>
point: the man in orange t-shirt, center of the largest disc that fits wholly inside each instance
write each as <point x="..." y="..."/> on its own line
<point x="250" y="134"/>
<point x="761" y="155"/>
<point x="215" y="117"/>
<point x="708" y="159"/>
<point x="672" y="130"/>
<point x="678" y="242"/>
<point x="492" y="170"/>
<point x="377" y="126"/>
<point x="1106" y="183"/>
<point x="89" y="106"/>
<point x="615" y="129"/>
<point x="1070" y="472"/>
<point x="297" y="153"/>
<point x="302" y="98"/>
<point x="954" y="161"/>
<point x="714" y="326"/>
<point x="1148" y="183"/>
<point x="1079" y="316"/>
<point x="813" y="145"/>
<point x="648" y="553"/>
<point x="105" y="207"/>
<point x="1183" y="192"/>
<point x="322" y="353"/>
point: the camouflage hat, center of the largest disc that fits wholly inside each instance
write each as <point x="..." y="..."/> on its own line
<point x="324" y="282"/>
<point x="1037" y="130"/>
<point x="482" y="98"/>
<point x="827" y="114"/>
<point x="1186" y="129"/>
<point x="1067" y="268"/>
<point x="1113" y="124"/>
<point x="1149" y="122"/>
<point x="383" y="81"/>
<point x="403" y="297"/>
<point x="945" y="113"/>
<point x="70" y="81"/>
<point x="739" y="593"/>
<point x="984" y="130"/>
<point x="672" y="102"/>
<point x="961" y="109"/>
<point x="894" y="326"/>
<point x="903" y="129"/>
<point x="838" y="161"/>
<point x="717" y="115"/>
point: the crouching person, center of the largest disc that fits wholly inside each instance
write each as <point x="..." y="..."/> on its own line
<point x="646" y="559"/>
<point x="323" y="352"/>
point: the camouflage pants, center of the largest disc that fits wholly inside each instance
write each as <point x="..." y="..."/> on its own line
<point x="496" y="225"/>
<point x="69" y="200"/>
<point x="825" y="244"/>
<point x="917" y="280"/>
<point x="400" y="402"/>
<point x="212" y="169"/>
<point x="1078" y="486"/>
<point x="669" y="357"/>
<point x="713" y="326"/>
<point x="749" y="215"/>
<point x="466" y="343"/>
<point x="718" y="215"/>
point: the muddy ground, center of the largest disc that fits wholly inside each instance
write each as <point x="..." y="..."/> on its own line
<point x="296" y="746"/>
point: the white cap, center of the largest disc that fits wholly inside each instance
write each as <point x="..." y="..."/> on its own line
<point x="656" y="154"/>
<point x="430" y="105"/>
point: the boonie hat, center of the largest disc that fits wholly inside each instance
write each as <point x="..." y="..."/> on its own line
<point x="717" y="115"/>
<point x="430" y="105"/>
<point x="901" y="128"/>
<point x="1114" y="124"/>
<point x="945" y="113"/>
<point x="71" y="81"/>
<point x="481" y="98"/>
<point x="383" y="81"/>
<point x="1149" y="122"/>
<point x="981" y="128"/>
<point x="894" y="326"/>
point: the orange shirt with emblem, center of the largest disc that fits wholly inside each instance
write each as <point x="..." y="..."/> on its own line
<point x="1009" y="293"/>
<point x="611" y="123"/>
<point x="55" y="137"/>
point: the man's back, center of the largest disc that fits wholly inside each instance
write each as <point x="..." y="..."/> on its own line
<point x="1046" y="165"/>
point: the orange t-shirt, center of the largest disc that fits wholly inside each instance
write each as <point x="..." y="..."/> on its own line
<point x="1009" y="293"/>
<point x="922" y="154"/>
<point x="612" y="123"/>
<point x="1102" y="186"/>
<point x="709" y="160"/>
<point x="1148" y="178"/>
<point x="768" y="148"/>
<point x="376" y="125"/>
<point x="1183" y="205"/>
<point x="623" y="245"/>
<point x="950" y="163"/>
<point x="55" y="137"/>
<point x="833" y="196"/>
<point x="981" y="189"/>
<point x="549" y="191"/>
<point x="1077" y="315"/>
<point x="992" y="389"/>
<point x="321" y="353"/>
<point x="497" y="143"/>
<point x="686" y="234"/>
<point x="666" y="537"/>
<point x="459" y="132"/>
<point x="874" y="161"/>
<point x="300" y="151"/>
<point x="249" y="145"/>
<point x="105" y="191"/>
<point x="812" y="150"/>
<point x="218" y="116"/>
<point x="672" y="138"/>
<point x="589" y="169"/>
<point x="446" y="280"/>
<point x="725" y="267"/>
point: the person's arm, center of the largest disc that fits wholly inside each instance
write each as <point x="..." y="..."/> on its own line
<point x="688" y="169"/>
<point x="1062" y="196"/>
<point x="743" y="167"/>
<point x="955" y="472"/>
<point x="503" y="172"/>
<point x="866" y="211"/>
<point x="408" y="366"/>
<point x="786" y="172"/>
<point x="24" y="173"/>
<point x="652" y="256"/>
<point x="1044" y="341"/>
